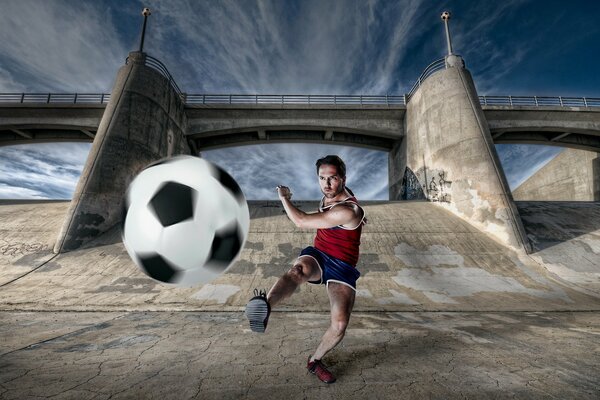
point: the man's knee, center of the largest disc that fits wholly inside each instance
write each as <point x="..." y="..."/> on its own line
<point x="296" y="274"/>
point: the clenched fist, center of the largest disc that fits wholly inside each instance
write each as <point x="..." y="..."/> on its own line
<point x="284" y="192"/>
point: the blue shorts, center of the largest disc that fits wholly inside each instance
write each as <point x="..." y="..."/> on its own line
<point x="332" y="269"/>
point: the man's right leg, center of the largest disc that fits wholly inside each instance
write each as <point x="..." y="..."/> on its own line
<point x="304" y="269"/>
<point x="258" y="309"/>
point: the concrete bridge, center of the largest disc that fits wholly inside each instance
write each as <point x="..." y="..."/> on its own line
<point x="440" y="137"/>
<point x="376" y="122"/>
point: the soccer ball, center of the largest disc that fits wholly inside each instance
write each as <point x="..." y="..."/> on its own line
<point x="184" y="220"/>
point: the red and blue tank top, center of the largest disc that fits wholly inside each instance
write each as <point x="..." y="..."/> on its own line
<point x="340" y="242"/>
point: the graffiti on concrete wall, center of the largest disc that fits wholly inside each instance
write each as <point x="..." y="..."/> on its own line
<point x="411" y="187"/>
<point x="426" y="184"/>
<point x="15" y="249"/>
<point x="439" y="188"/>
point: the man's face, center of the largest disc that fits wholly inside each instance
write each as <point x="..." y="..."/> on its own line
<point x="329" y="180"/>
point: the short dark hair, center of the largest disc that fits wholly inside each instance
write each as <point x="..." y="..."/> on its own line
<point x="335" y="161"/>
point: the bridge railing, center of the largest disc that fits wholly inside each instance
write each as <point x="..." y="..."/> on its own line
<point x="65" y="98"/>
<point x="390" y="100"/>
<point x="428" y="71"/>
<point x="539" y="101"/>
<point x="157" y="65"/>
<point x="294" y="99"/>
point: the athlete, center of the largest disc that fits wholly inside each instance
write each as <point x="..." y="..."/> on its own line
<point x="330" y="261"/>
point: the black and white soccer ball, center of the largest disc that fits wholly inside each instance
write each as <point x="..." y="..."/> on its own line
<point x="185" y="220"/>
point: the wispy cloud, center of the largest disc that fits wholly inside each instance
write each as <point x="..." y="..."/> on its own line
<point x="58" y="45"/>
<point x="42" y="171"/>
<point x="284" y="47"/>
<point x="260" y="168"/>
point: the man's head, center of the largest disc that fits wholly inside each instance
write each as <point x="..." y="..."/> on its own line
<point x="331" y="171"/>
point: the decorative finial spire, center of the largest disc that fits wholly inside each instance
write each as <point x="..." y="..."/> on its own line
<point x="446" y="18"/>
<point x="145" y="12"/>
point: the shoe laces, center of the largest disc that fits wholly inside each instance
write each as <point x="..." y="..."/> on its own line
<point x="261" y="293"/>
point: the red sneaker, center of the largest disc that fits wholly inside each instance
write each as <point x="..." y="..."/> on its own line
<point x="317" y="368"/>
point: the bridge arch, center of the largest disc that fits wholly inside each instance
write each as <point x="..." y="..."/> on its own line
<point x="45" y="133"/>
<point x="571" y="127"/>
<point x="291" y="134"/>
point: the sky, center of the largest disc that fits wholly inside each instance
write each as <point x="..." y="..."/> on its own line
<point x="368" y="47"/>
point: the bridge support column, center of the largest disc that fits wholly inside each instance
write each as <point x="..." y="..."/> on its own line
<point x="573" y="175"/>
<point x="448" y="157"/>
<point x="143" y="122"/>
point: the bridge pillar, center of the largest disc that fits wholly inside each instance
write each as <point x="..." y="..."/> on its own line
<point x="143" y="122"/>
<point x="573" y="175"/>
<point x="448" y="157"/>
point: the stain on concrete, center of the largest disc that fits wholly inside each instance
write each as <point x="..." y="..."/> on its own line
<point x="254" y="245"/>
<point x="125" y="341"/>
<point x="66" y="337"/>
<point x="364" y="293"/>
<point x="441" y="284"/>
<point x="156" y="325"/>
<point x="51" y="266"/>
<point x="274" y="270"/>
<point x="434" y="255"/>
<point x="396" y="298"/>
<point x="85" y="228"/>
<point x="219" y="293"/>
<point x="129" y="285"/>
<point x="138" y="316"/>
<point x="369" y="262"/>
<point x="289" y="250"/>
<point x="33" y="259"/>
<point x="242" y="267"/>
<point x="277" y="266"/>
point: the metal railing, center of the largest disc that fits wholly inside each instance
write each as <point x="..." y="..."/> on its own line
<point x="539" y="101"/>
<point x="427" y="72"/>
<point x="160" y="67"/>
<point x="216" y="99"/>
<point x="157" y="65"/>
<point x="62" y="98"/>
<point x="316" y="99"/>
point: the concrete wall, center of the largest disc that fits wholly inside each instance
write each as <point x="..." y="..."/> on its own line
<point x="450" y="158"/>
<point x="573" y="175"/>
<point x="144" y="121"/>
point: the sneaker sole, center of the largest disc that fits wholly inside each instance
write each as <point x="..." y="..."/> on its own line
<point x="257" y="312"/>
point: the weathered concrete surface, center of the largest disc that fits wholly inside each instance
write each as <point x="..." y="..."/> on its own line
<point x="48" y="122"/>
<point x="566" y="239"/>
<point x="448" y="155"/>
<point x="371" y="126"/>
<point x="143" y="122"/>
<point x="573" y="175"/>
<point x="191" y="355"/>
<point x="28" y="230"/>
<point x="414" y="256"/>
<point x="543" y="125"/>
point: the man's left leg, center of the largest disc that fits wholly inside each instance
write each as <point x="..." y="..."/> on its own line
<point x="341" y="298"/>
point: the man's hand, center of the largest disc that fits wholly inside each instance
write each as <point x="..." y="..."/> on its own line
<point x="284" y="192"/>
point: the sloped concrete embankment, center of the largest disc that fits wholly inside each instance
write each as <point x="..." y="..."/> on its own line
<point x="414" y="256"/>
<point x="566" y="240"/>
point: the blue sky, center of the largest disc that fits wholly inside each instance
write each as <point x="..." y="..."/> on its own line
<point x="289" y="47"/>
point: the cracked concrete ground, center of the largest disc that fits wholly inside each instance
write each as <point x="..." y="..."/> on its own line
<point x="205" y="355"/>
<point x="442" y="311"/>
